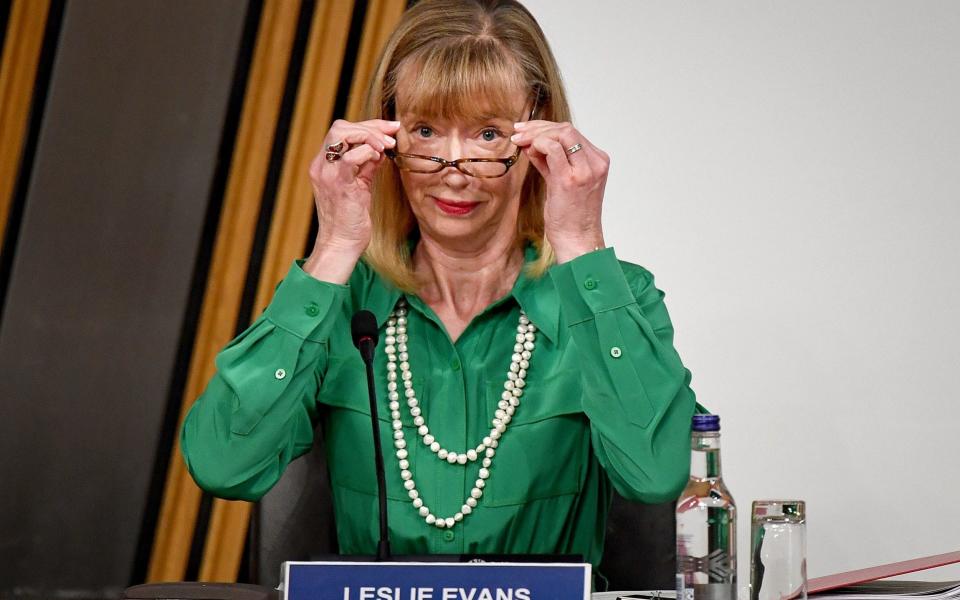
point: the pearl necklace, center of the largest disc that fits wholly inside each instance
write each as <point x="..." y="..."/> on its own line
<point x="395" y="347"/>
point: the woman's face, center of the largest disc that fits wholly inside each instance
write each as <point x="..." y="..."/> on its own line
<point x="452" y="207"/>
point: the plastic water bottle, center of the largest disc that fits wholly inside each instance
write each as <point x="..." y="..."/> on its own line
<point x="706" y="522"/>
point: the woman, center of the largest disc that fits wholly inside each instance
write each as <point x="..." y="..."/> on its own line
<point x="523" y="368"/>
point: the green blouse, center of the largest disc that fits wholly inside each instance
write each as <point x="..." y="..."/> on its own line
<point x="607" y="402"/>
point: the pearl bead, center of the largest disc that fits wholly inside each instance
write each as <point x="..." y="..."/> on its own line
<point x="398" y="369"/>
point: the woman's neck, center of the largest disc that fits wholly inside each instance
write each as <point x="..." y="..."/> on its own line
<point x="458" y="284"/>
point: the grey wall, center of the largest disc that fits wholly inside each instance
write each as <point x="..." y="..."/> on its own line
<point x="100" y="282"/>
<point x="790" y="171"/>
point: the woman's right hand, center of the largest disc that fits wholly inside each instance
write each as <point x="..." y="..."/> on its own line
<point x="342" y="193"/>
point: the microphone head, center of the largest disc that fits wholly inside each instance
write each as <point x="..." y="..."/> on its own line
<point x="364" y="325"/>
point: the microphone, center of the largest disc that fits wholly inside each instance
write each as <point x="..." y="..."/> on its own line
<point x="366" y="334"/>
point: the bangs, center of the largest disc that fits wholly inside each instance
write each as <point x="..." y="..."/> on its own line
<point x="471" y="79"/>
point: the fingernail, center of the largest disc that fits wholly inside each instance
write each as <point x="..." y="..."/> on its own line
<point x="515" y="137"/>
<point x="390" y="140"/>
<point x="519" y="125"/>
<point x="397" y="123"/>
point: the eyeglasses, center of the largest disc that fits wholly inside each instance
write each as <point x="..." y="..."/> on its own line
<point x="485" y="168"/>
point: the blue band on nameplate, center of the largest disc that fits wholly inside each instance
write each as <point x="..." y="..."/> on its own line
<point x="435" y="581"/>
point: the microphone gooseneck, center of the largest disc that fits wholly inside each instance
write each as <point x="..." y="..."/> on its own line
<point x="366" y="334"/>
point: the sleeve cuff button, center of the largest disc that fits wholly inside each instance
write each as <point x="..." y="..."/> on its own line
<point x="616" y="352"/>
<point x="280" y="374"/>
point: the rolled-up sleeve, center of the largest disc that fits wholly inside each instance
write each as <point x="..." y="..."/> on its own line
<point x="636" y="390"/>
<point x="258" y="411"/>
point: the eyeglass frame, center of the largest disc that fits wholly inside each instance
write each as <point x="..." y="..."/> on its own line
<point x="444" y="163"/>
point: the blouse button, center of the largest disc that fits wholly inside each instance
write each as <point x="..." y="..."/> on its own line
<point x="455" y="364"/>
<point x="312" y="309"/>
<point x="590" y="284"/>
<point x="616" y="352"/>
<point x="280" y="374"/>
<point x="448" y="535"/>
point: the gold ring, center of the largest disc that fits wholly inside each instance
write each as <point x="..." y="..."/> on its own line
<point x="574" y="149"/>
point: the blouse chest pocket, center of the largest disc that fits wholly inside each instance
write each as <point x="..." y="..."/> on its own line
<point x="541" y="454"/>
<point x="349" y="438"/>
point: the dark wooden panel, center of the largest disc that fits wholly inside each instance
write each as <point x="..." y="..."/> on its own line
<point x="100" y="281"/>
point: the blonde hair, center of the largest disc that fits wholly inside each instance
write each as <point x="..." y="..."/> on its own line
<point x="468" y="58"/>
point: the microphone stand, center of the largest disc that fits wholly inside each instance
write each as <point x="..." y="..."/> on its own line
<point x="383" y="546"/>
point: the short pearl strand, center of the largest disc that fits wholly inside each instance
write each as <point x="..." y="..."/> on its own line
<point x="395" y="346"/>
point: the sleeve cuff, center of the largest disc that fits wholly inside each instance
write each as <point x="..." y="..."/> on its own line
<point x="301" y="303"/>
<point x="591" y="284"/>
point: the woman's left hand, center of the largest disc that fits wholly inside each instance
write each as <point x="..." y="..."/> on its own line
<point x="574" y="180"/>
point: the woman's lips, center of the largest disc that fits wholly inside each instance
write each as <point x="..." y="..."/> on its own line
<point x="455" y="207"/>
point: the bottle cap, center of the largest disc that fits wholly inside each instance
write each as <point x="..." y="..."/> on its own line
<point x="706" y="422"/>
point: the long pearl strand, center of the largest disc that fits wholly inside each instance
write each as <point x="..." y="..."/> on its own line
<point x="395" y="346"/>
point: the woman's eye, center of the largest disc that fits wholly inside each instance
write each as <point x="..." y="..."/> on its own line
<point x="490" y="135"/>
<point x="425" y="131"/>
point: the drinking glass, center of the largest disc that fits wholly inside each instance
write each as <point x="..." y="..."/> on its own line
<point x="778" y="550"/>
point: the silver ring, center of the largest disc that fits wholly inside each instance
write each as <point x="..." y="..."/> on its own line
<point x="574" y="148"/>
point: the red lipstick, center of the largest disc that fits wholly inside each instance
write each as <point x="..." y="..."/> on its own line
<point x="455" y="207"/>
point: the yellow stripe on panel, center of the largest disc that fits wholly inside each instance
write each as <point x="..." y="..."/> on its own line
<point x="292" y="216"/>
<point x="18" y="72"/>
<point x="381" y="19"/>
<point x="228" y="269"/>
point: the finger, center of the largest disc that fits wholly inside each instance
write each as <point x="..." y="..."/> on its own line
<point x="567" y="137"/>
<point x="354" y="134"/>
<point x="390" y="127"/>
<point x="354" y="160"/>
<point x="539" y="161"/>
<point x="555" y="154"/>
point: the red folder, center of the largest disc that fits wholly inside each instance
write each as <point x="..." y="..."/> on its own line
<point x="829" y="582"/>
